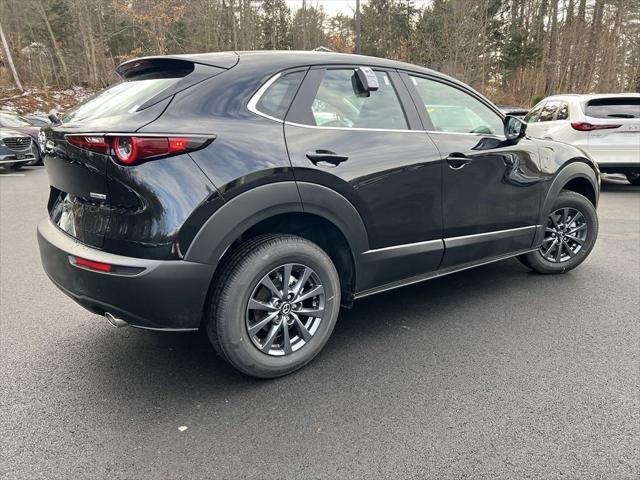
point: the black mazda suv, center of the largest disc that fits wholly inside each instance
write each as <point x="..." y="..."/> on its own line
<point x="253" y="194"/>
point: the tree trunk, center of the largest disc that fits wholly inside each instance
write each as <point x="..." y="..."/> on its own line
<point x="10" y="60"/>
<point x="54" y="43"/>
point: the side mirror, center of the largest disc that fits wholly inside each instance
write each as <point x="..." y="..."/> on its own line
<point x="53" y="116"/>
<point x="514" y="128"/>
<point x="366" y="80"/>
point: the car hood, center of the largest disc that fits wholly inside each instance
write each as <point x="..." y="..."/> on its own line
<point x="14" y="132"/>
<point x="31" y="131"/>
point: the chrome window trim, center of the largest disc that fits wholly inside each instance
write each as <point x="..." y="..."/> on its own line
<point x="492" y="135"/>
<point x="255" y="98"/>
<point x="355" y="129"/>
<point x="253" y="102"/>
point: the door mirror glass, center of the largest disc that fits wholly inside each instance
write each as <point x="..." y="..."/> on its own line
<point x="514" y="128"/>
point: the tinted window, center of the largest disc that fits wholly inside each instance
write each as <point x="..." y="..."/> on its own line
<point x="452" y="110"/>
<point x="338" y="103"/>
<point x="534" y="113"/>
<point x="549" y="111"/>
<point x="119" y="99"/>
<point x="9" y="120"/>
<point x="276" y="99"/>
<point x="614" y="108"/>
<point x="563" y="111"/>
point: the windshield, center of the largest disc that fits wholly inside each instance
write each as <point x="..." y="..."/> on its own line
<point x="9" y="120"/>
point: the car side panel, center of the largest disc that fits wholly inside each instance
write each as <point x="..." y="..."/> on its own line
<point x="249" y="150"/>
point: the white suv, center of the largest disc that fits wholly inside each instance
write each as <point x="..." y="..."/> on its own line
<point x="605" y="126"/>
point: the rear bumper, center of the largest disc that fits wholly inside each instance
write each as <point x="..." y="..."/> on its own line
<point x="614" y="157"/>
<point x="619" y="167"/>
<point x="164" y="295"/>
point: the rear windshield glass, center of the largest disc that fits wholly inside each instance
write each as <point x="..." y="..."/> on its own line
<point x="614" y="108"/>
<point x="119" y="99"/>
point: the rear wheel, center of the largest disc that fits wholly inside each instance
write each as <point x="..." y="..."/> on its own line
<point x="634" y="178"/>
<point x="274" y="305"/>
<point x="570" y="234"/>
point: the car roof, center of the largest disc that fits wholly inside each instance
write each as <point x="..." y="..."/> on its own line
<point x="584" y="97"/>
<point x="276" y="60"/>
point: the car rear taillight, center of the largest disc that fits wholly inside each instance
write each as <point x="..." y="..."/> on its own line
<point x="86" y="142"/>
<point x="587" y="127"/>
<point x="133" y="149"/>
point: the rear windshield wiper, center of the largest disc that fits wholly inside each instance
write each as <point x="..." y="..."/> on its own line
<point x="621" y="115"/>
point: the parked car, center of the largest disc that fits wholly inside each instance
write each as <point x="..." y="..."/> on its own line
<point x="16" y="123"/>
<point x="513" y="111"/>
<point x="16" y="149"/>
<point x="605" y="126"/>
<point x="253" y="194"/>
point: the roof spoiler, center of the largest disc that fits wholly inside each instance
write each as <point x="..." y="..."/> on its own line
<point x="174" y="64"/>
<point x="144" y="67"/>
<point x="187" y="72"/>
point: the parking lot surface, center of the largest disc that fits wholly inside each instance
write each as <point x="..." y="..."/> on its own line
<point x="490" y="373"/>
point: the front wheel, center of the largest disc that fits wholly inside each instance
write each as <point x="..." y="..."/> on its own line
<point x="570" y="234"/>
<point x="634" y="178"/>
<point x="273" y="305"/>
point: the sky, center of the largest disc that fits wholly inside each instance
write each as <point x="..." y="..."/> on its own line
<point x="331" y="7"/>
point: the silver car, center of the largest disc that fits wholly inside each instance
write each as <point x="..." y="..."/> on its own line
<point x="16" y="149"/>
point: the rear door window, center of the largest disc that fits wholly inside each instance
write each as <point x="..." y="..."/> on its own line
<point x="613" y="108"/>
<point x="549" y="111"/>
<point x="338" y="103"/>
<point x="563" y="111"/>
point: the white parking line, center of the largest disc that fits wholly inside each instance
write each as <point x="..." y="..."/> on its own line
<point x="12" y="175"/>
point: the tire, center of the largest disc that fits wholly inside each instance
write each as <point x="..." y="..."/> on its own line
<point x="571" y="233"/>
<point x="244" y="276"/>
<point x="634" y="178"/>
<point x="16" y="166"/>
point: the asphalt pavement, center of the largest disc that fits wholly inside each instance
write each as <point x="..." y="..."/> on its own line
<point x="490" y="373"/>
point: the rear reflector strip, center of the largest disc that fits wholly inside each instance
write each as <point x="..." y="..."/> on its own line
<point x="95" y="266"/>
<point x="92" y="265"/>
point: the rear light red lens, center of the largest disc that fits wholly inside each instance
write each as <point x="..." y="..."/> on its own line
<point x="130" y="150"/>
<point x="587" y="127"/>
<point x="92" y="265"/>
<point x="95" y="144"/>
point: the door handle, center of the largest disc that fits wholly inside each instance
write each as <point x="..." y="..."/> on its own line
<point x="457" y="160"/>
<point x="326" y="156"/>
